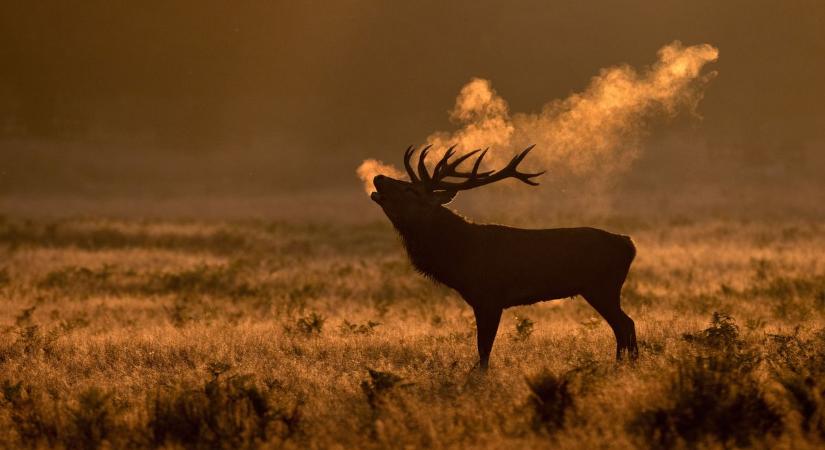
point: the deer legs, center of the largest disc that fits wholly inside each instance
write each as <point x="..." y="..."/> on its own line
<point x="625" y="331"/>
<point x="486" y="327"/>
<point x="607" y="305"/>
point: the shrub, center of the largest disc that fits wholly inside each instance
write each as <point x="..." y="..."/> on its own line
<point x="34" y="423"/>
<point x="722" y="334"/>
<point x="524" y="328"/>
<point x="354" y="328"/>
<point x="713" y="397"/>
<point x="807" y="396"/>
<point x="799" y="367"/>
<point x="378" y="385"/>
<point x="231" y="412"/>
<point x="92" y="421"/>
<point x="551" y="398"/>
<point x="311" y="324"/>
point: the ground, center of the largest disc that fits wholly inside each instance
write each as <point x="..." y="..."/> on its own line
<point x="208" y="334"/>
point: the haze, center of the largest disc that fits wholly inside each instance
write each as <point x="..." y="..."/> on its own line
<point x="284" y="99"/>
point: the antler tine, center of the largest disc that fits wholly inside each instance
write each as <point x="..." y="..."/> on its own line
<point x="518" y="158"/>
<point x="449" y="169"/>
<point x="526" y="177"/>
<point x="454" y="165"/>
<point x="477" y="164"/>
<point x="442" y="164"/>
<point x="422" y="166"/>
<point x="522" y="176"/>
<point x="474" y="179"/>
<point x="407" y="155"/>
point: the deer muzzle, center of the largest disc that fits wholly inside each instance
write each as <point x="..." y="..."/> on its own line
<point x="376" y="182"/>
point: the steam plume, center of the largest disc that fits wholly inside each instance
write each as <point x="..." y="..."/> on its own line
<point x="595" y="133"/>
<point x="372" y="167"/>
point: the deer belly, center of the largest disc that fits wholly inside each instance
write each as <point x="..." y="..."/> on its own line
<point x="526" y="290"/>
<point x="529" y="298"/>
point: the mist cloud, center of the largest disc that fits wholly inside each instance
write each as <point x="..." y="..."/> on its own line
<point x="595" y="133"/>
<point x="372" y="167"/>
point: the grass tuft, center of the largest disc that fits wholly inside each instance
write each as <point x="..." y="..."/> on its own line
<point x="711" y="398"/>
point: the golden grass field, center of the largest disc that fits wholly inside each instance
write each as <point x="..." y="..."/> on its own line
<point x="196" y="334"/>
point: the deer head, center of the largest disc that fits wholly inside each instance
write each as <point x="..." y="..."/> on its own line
<point x="405" y="201"/>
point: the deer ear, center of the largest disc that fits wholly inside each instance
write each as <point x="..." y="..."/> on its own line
<point x="443" y="197"/>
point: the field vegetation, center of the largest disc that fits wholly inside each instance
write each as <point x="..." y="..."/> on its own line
<point x="252" y="334"/>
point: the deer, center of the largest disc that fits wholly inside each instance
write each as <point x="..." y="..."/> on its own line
<point x="494" y="267"/>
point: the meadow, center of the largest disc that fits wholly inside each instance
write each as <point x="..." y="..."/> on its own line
<point x="255" y="334"/>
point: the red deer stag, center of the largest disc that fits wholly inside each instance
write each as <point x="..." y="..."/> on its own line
<point x="494" y="266"/>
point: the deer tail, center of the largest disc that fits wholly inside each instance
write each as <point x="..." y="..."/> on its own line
<point x="631" y="249"/>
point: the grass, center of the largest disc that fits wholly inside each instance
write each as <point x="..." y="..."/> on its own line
<point x="185" y="334"/>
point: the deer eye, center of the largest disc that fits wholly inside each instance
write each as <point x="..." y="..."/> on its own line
<point x="413" y="191"/>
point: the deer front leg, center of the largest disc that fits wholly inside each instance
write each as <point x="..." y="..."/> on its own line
<point x="487" y="320"/>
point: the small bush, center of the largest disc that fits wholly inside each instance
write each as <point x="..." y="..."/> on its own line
<point x="807" y="396"/>
<point x="722" y="334"/>
<point x="799" y="366"/>
<point x="524" y="328"/>
<point x="551" y="398"/>
<point x="225" y="413"/>
<point x="378" y="385"/>
<point x="311" y="324"/>
<point x="379" y="390"/>
<point x="92" y="421"/>
<point x="35" y="420"/>
<point x="354" y="328"/>
<point x="711" y="397"/>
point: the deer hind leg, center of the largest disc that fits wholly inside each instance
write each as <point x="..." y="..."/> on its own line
<point x="486" y="328"/>
<point x="607" y="304"/>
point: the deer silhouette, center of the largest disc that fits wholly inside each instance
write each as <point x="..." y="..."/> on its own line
<point x="494" y="267"/>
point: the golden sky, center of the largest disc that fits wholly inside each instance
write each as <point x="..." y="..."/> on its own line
<point x="365" y="78"/>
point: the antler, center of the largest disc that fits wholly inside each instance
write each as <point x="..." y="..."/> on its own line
<point x="448" y="169"/>
<point x="407" y="155"/>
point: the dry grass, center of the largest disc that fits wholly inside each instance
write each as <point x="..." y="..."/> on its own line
<point x="251" y="334"/>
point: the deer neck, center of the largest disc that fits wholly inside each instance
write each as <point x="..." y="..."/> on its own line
<point x="437" y="244"/>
